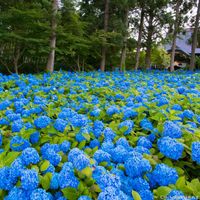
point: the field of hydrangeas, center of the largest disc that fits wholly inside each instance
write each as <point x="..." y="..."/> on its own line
<point x="105" y="136"/>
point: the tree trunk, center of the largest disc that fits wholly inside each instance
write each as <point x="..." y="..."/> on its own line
<point x="103" y="51"/>
<point x="78" y="63"/>
<point x="51" y="58"/>
<point x="194" y="40"/>
<point x="149" y="42"/>
<point x="16" y="58"/>
<point x="175" y="32"/>
<point x="124" y="48"/>
<point x="137" y="58"/>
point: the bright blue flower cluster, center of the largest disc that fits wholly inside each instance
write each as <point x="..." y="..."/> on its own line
<point x="60" y="125"/>
<point x="170" y="148"/>
<point x="196" y="152"/>
<point x="164" y="175"/>
<point x="146" y="124"/>
<point x="172" y="130"/>
<point x="79" y="159"/>
<point x="129" y="124"/>
<point x="42" y="122"/>
<point x="136" y="166"/>
<point x="17" y="143"/>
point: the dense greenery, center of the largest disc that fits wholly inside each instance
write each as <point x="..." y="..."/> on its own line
<point x="83" y="35"/>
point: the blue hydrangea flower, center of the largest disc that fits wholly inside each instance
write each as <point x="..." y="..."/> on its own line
<point x="172" y="130"/>
<point x="5" y="104"/>
<point x="94" y="143"/>
<point x="54" y="184"/>
<point x="53" y="157"/>
<point x="81" y="161"/>
<point x="109" y="135"/>
<point x="1" y="139"/>
<point x="95" y="112"/>
<point x="16" y="194"/>
<point x="146" y="195"/>
<point x="107" y="179"/>
<point x="170" y="148"/>
<point x="7" y="179"/>
<point x="165" y="175"/>
<point x="65" y="146"/>
<point x="123" y="142"/>
<point x="144" y="142"/>
<point x="119" y="154"/>
<point x="17" y="166"/>
<point x="60" y="125"/>
<point x="34" y="138"/>
<point x="107" y="146"/>
<point x="66" y="178"/>
<point x="29" y="179"/>
<point x="177" y="107"/>
<point x="42" y="122"/>
<point x="102" y="156"/>
<point x="181" y="90"/>
<point x="13" y="117"/>
<point x="111" y="193"/>
<point x="39" y="194"/>
<point x="112" y="110"/>
<point x="129" y="124"/>
<point x="188" y="114"/>
<point x="135" y="166"/>
<point x="17" y="126"/>
<point x="141" y="150"/>
<point x="50" y="169"/>
<point x="139" y="183"/>
<point x="146" y="124"/>
<point x="4" y="121"/>
<point x="98" y="128"/>
<point x="30" y="156"/>
<point x="196" y="152"/>
<point x="75" y="152"/>
<point x="162" y="101"/>
<point x="129" y="113"/>
<point x="17" y="143"/>
<point x="175" y="194"/>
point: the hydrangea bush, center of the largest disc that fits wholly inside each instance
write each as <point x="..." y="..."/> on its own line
<point x="105" y="136"/>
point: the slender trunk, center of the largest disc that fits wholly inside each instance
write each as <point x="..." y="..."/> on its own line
<point x="16" y="58"/>
<point x="175" y="32"/>
<point x="149" y="42"/>
<point x="194" y="41"/>
<point x="51" y="58"/>
<point x="124" y="48"/>
<point x="78" y="63"/>
<point x="103" y="51"/>
<point x="137" y="58"/>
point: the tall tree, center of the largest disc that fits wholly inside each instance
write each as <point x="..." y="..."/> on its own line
<point x="139" y="40"/>
<point x="175" y="32"/>
<point x="51" y="58"/>
<point x="156" y="20"/>
<point x="106" y="19"/>
<point x="125" y="39"/>
<point x="194" y="40"/>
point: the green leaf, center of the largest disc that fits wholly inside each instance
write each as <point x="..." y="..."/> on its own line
<point x="86" y="136"/>
<point x="70" y="193"/>
<point x="46" y="180"/>
<point x="44" y="166"/>
<point x="82" y="144"/>
<point x="87" y="172"/>
<point x="163" y="191"/>
<point x="135" y="195"/>
<point x="10" y="157"/>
